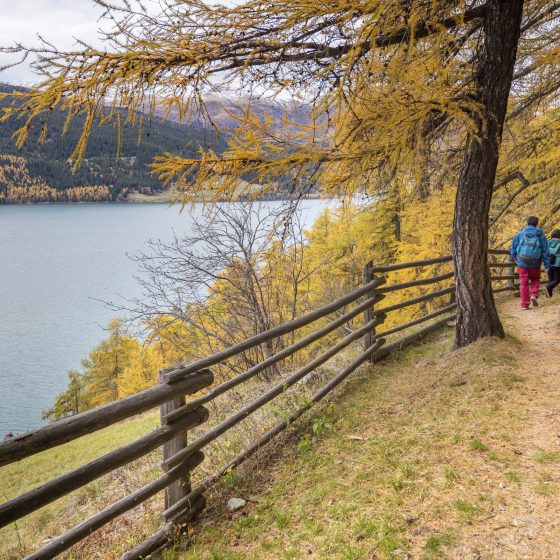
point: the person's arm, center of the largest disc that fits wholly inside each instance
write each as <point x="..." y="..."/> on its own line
<point x="545" y="251"/>
<point x="514" y="245"/>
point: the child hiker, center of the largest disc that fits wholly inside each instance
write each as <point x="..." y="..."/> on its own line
<point x="530" y="250"/>
<point x="554" y="271"/>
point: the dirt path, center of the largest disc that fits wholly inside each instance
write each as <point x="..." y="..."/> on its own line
<point x="526" y="524"/>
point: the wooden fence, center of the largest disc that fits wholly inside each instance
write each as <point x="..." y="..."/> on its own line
<point x="178" y="416"/>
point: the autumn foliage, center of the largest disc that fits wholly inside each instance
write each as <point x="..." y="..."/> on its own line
<point x="18" y="186"/>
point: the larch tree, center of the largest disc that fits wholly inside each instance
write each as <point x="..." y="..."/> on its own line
<point x="476" y="313"/>
<point x="106" y="364"/>
<point x="71" y="401"/>
<point x="394" y="86"/>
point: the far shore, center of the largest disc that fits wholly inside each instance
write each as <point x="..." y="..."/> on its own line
<point x="169" y="197"/>
<point x="163" y="198"/>
<point x="137" y="198"/>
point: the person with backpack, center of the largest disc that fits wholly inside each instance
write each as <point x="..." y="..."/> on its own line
<point x="529" y="250"/>
<point x="554" y="271"/>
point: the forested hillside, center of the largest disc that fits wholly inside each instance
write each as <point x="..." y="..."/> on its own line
<point x="17" y="185"/>
<point x="48" y="164"/>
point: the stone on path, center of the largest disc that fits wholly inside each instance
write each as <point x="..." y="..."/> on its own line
<point x="235" y="503"/>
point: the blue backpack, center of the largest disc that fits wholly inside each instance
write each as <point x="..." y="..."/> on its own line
<point x="529" y="251"/>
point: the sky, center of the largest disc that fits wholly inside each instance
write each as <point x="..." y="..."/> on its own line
<point x="58" y="21"/>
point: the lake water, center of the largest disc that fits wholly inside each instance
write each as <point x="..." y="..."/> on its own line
<point x="56" y="262"/>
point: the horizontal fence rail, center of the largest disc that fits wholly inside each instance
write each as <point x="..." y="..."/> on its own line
<point x="414" y="283"/>
<point x="62" y="485"/>
<point x="88" y="422"/>
<point x="283" y="354"/>
<point x="275" y="332"/>
<point x="268" y="395"/>
<point x="179" y="416"/>
<point x="84" y="529"/>
<point x="412" y="264"/>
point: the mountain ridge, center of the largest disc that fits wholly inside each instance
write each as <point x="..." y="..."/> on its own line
<point x="48" y="162"/>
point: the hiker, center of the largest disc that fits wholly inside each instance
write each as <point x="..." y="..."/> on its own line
<point x="554" y="271"/>
<point x="529" y="250"/>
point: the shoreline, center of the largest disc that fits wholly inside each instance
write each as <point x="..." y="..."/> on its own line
<point x="157" y="200"/>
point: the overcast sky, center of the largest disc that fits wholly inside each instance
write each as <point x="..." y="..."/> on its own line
<point x="57" y="20"/>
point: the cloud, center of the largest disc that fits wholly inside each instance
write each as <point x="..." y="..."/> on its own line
<point x="58" y="21"/>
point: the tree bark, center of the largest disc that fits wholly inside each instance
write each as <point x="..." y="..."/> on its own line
<point x="476" y="312"/>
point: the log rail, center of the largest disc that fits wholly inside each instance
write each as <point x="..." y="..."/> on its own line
<point x="178" y="415"/>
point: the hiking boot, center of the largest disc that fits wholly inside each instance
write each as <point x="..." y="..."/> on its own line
<point x="548" y="292"/>
<point x="534" y="301"/>
<point x="524" y="309"/>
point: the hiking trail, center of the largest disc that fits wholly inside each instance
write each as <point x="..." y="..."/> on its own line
<point x="527" y="522"/>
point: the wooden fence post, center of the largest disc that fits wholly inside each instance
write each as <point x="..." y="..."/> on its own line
<point x="181" y="487"/>
<point x="510" y="282"/>
<point x="367" y="277"/>
<point x="452" y="297"/>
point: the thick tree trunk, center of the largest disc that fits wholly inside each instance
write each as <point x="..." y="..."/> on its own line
<point x="476" y="312"/>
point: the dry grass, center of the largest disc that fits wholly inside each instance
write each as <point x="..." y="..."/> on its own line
<point x="413" y="458"/>
<point x="432" y="454"/>
<point x="125" y="532"/>
<point x="22" y="537"/>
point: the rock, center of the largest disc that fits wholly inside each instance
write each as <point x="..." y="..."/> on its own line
<point x="236" y="503"/>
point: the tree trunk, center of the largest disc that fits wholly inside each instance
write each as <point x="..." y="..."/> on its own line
<point x="476" y="311"/>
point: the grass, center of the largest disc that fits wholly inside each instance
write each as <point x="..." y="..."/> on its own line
<point x="168" y="196"/>
<point x="466" y="510"/>
<point x="397" y="465"/>
<point x="477" y="445"/>
<point x="29" y="473"/>
<point x="515" y="476"/>
<point x="394" y="472"/>
<point x="138" y="524"/>
<point x="37" y="469"/>
<point x="435" y="546"/>
<point x="548" y="457"/>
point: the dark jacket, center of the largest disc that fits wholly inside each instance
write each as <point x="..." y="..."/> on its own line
<point x="545" y="255"/>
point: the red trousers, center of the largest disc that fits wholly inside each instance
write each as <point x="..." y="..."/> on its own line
<point x="530" y="281"/>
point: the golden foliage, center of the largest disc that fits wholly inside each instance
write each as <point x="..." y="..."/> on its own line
<point x="391" y="84"/>
<point x="141" y="372"/>
<point x="330" y="261"/>
<point x="17" y="186"/>
<point x="382" y="69"/>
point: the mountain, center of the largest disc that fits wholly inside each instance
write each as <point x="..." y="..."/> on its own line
<point x="48" y="162"/>
<point x="222" y="110"/>
<point x="42" y="171"/>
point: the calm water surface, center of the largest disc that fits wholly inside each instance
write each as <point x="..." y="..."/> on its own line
<point x="56" y="261"/>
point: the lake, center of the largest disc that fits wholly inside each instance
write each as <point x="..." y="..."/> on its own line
<point x="56" y="262"/>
